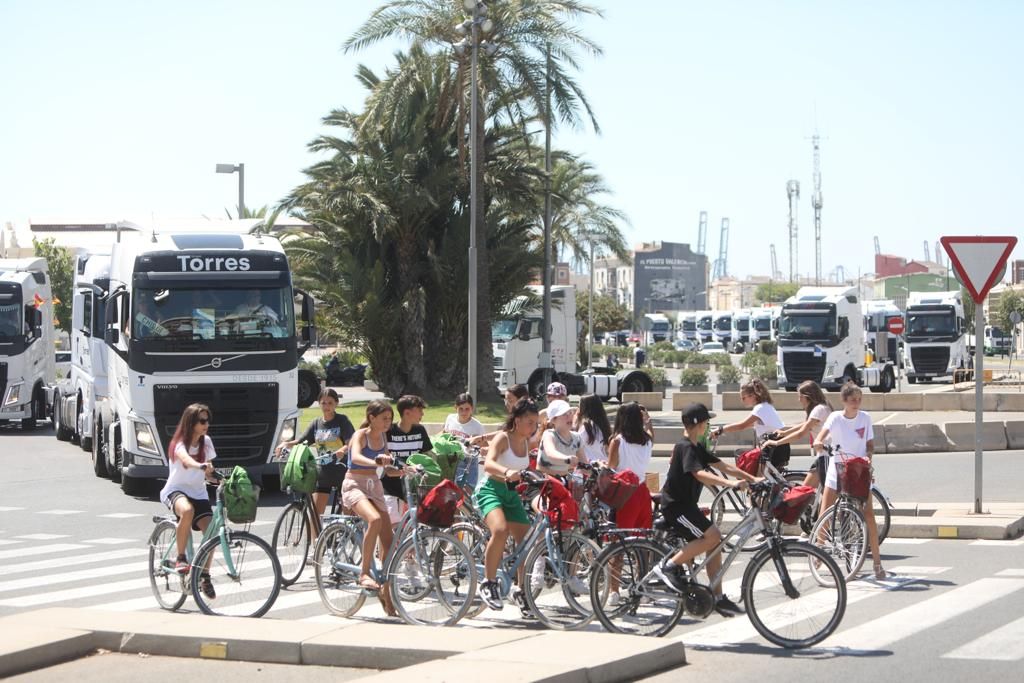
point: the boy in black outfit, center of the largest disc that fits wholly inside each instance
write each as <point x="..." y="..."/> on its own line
<point x="407" y="436"/>
<point x="688" y="472"/>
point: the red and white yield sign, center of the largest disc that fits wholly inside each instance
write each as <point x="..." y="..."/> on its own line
<point x="978" y="260"/>
<point x="896" y="326"/>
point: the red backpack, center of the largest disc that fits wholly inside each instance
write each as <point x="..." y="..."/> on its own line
<point x="749" y="461"/>
<point x="438" y="507"/>
<point x="792" y="504"/>
<point x="615" y="490"/>
<point x="560" y="506"/>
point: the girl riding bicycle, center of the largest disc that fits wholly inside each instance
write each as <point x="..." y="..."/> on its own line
<point x="594" y="430"/>
<point x="817" y="407"/>
<point x="763" y="418"/>
<point x="190" y="462"/>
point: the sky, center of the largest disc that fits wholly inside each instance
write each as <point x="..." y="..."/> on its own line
<point x="115" y="108"/>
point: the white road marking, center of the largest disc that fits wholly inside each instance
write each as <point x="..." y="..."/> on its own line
<point x="9" y="509"/>
<point x="38" y="550"/>
<point x="122" y="515"/>
<point x="1010" y="572"/>
<point x="42" y="537"/>
<point x="880" y="633"/>
<point x="6" y="542"/>
<point x="65" y="577"/>
<point x="76" y="561"/>
<point x="886" y="419"/>
<point x="1004" y="644"/>
<point x="111" y="541"/>
<point x="998" y="544"/>
<point x="60" y="512"/>
<point x="907" y="541"/>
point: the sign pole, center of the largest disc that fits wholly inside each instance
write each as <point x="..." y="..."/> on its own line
<point x="979" y="362"/>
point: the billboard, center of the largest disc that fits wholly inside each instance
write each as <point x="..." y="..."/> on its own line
<point x="669" y="276"/>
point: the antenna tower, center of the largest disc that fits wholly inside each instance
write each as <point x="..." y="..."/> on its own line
<point x="793" y="193"/>
<point x="927" y="253"/>
<point x="816" y="201"/>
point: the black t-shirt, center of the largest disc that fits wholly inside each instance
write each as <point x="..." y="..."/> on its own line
<point x="682" y="489"/>
<point x="329" y="435"/>
<point x="416" y="440"/>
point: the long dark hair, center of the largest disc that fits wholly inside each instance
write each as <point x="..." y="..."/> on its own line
<point x="629" y="423"/>
<point x="810" y="390"/>
<point x="593" y="417"/>
<point x="523" y="407"/>
<point x="186" y="429"/>
<point x="758" y="390"/>
<point x="375" y="408"/>
<point x="520" y="391"/>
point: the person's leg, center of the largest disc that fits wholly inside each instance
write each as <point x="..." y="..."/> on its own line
<point x="811" y="479"/>
<point x="387" y="534"/>
<point x="183" y="509"/>
<point x="499" y="528"/>
<point x="320" y="499"/>
<point x="518" y="531"/>
<point x="368" y="512"/>
<point x="876" y="550"/>
<point x="828" y="499"/>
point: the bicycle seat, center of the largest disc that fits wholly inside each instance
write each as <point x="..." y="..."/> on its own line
<point x="661" y="524"/>
<point x="164" y="518"/>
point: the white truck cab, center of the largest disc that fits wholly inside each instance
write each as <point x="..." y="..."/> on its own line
<point x="723" y="328"/>
<point x="741" y="331"/>
<point x="28" y="366"/>
<point x="935" y="336"/>
<point x="705" y="326"/>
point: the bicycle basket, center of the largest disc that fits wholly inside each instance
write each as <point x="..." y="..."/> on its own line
<point x="792" y="503"/>
<point x="854" y="475"/>
<point x="749" y="461"/>
<point x="559" y="505"/>
<point x="437" y="507"/>
<point x="614" y="489"/>
<point x="241" y="498"/>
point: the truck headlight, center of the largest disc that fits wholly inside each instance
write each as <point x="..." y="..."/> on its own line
<point x="830" y="370"/>
<point x="780" y="371"/>
<point x="288" y="429"/>
<point x="13" y="395"/>
<point x="144" y="437"/>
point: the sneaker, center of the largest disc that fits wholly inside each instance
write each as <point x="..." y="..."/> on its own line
<point x="206" y="585"/>
<point x="412" y="575"/>
<point x="181" y="565"/>
<point x="537" y="572"/>
<point x="490" y="594"/>
<point x="614" y="599"/>
<point x="578" y="586"/>
<point x="519" y="598"/>
<point x="672" y="574"/>
<point x="727" y="608"/>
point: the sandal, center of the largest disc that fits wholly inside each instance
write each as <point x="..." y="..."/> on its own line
<point x="389" y="609"/>
<point x="368" y="584"/>
<point x="880" y="573"/>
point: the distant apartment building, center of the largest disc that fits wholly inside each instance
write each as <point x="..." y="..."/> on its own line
<point x="1017" y="272"/>
<point x="614" y="278"/>
<point x="731" y="294"/>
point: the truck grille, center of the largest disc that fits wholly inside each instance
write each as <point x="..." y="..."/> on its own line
<point x="803" y="366"/>
<point x="930" y="359"/>
<point x="243" y="422"/>
<point x="498" y="361"/>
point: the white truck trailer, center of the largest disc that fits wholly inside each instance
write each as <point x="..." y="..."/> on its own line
<point x="28" y="367"/>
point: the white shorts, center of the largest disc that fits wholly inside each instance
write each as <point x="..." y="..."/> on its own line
<point x="396" y="508"/>
<point x="832" y="477"/>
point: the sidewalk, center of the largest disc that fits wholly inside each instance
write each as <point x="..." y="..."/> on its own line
<point x="34" y="640"/>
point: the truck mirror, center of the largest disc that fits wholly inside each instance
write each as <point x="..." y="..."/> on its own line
<point x="308" y="332"/>
<point x="111" y="336"/>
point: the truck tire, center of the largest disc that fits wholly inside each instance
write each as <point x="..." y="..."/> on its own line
<point x="38" y="409"/>
<point x="84" y="442"/>
<point x="99" y="454"/>
<point x="635" y="381"/>
<point x="309" y="388"/>
<point x="536" y="385"/>
<point x="133" y="486"/>
<point x="62" y="432"/>
<point x="117" y="458"/>
<point x="887" y="384"/>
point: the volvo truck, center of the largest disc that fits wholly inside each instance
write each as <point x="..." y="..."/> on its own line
<point x="761" y="327"/>
<point x="877" y="314"/>
<point x="723" y="329"/>
<point x="688" y="327"/>
<point x="740" y="331"/>
<point x="516" y="340"/>
<point x="199" y="318"/>
<point x="660" y="328"/>
<point x="76" y="397"/>
<point x="705" y="326"/>
<point x="935" y="336"/>
<point x="821" y="338"/>
<point x="28" y="366"/>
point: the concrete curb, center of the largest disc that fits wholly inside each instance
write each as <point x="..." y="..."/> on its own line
<point x="33" y="642"/>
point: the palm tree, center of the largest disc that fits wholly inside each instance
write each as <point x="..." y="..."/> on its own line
<point x="538" y="50"/>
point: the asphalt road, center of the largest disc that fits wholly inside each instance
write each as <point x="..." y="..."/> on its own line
<point x="70" y="539"/>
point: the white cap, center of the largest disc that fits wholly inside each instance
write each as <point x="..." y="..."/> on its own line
<point x="557" y="409"/>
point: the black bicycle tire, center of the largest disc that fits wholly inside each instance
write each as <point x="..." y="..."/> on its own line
<point x="885" y="524"/>
<point x="603" y="559"/>
<point x="539" y="548"/>
<point x="841" y="509"/>
<point x="212" y="545"/>
<point x="326" y="535"/>
<point x="396" y="599"/>
<point x="171" y="605"/>
<point x="294" y="505"/>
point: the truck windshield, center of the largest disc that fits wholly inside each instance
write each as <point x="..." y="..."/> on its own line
<point x="931" y="324"/>
<point x="704" y="323"/>
<point x="503" y="330"/>
<point x="660" y="327"/>
<point x="213" y="314"/>
<point x="689" y="325"/>
<point x="10" y="319"/>
<point x="723" y="324"/>
<point x="801" y="325"/>
<point x="743" y="324"/>
<point x="996" y="333"/>
<point x="762" y="324"/>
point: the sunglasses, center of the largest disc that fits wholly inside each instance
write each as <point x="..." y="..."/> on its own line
<point x="204" y="420"/>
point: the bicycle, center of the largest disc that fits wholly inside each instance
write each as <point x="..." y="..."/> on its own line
<point x="297" y="527"/>
<point x="794" y="593"/>
<point x="556" y="564"/>
<point x="421" y="562"/>
<point x="242" y="567"/>
<point x="842" y="530"/>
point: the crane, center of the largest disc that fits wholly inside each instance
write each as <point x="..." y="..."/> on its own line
<point x="927" y="253"/>
<point x="839" y="274"/>
<point x="721" y="264"/>
<point x="776" y="275"/>
<point x="878" y="249"/>
<point x="793" y="194"/>
<point x="816" y="201"/>
<point x="702" y="233"/>
<point x="938" y="253"/>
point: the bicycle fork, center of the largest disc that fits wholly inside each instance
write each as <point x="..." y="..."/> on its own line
<point x="775" y="548"/>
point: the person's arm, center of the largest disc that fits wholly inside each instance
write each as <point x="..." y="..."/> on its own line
<point x="491" y="465"/>
<point x="793" y="433"/>
<point x="819" y="443"/>
<point x="552" y="455"/>
<point x="188" y="462"/>
<point x="870" y="448"/>
<point x="733" y="471"/>
<point x="613" y="452"/>
<point x="648" y="426"/>
<point x="712" y="479"/>
<point x="346" y="432"/>
<point x="737" y="426"/>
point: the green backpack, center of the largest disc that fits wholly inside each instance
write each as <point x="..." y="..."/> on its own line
<point x="431" y="470"/>
<point x="300" y="472"/>
<point x="241" y="498"/>
<point x="448" y="451"/>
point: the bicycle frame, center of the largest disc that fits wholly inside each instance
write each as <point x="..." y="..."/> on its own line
<point x="216" y="526"/>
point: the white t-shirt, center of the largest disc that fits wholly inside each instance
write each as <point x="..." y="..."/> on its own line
<point x="850" y="436"/>
<point x="596" y="451"/>
<point x="556" y="465"/>
<point x="634" y="457"/>
<point x="465" y="430"/>
<point x="191" y="482"/>
<point x="769" y="419"/>
<point x="820" y="413"/>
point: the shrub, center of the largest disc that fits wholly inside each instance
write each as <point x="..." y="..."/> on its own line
<point x="316" y="368"/>
<point x="658" y="377"/>
<point x="720" y="359"/>
<point x="663" y="346"/>
<point x="693" y="377"/>
<point x="768" y="347"/>
<point x="346" y="358"/>
<point x="730" y="374"/>
<point x="759" y="365"/>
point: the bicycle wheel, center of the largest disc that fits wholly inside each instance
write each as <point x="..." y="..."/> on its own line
<point x="883" y="513"/>
<point x="336" y="562"/>
<point x="244" y="575"/>
<point x="556" y="583"/>
<point x="813" y="609"/>
<point x="291" y="542"/>
<point x="843" y="534"/>
<point x="728" y="508"/>
<point x="474" y="538"/>
<point x="645" y="606"/>
<point x="430" y="580"/>
<point x="169" y="587"/>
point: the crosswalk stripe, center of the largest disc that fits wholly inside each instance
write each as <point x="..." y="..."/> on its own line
<point x="4" y="541"/>
<point x="1010" y="572"/>
<point x="884" y="631"/>
<point x="73" y="562"/>
<point x="1006" y="644"/>
<point x="65" y="577"/>
<point x="4" y="508"/>
<point x="38" y="550"/>
<point x="42" y="537"/>
<point x="907" y="541"/>
<point x="111" y="541"/>
<point x="59" y="512"/>
<point x="121" y="515"/>
<point x="998" y="544"/>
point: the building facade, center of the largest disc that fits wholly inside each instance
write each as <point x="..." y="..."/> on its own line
<point x="669" y="276"/>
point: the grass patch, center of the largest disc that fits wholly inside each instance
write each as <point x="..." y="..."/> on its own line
<point x="356" y="412"/>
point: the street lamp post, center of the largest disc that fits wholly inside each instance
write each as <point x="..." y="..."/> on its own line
<point x="472" y="29"/>
<point x="590" y="311"/>
<point x="240" y="168"/>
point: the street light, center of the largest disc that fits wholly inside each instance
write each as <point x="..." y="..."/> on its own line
<point x="231" y="168"/>
<point x="473" y="29"/>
